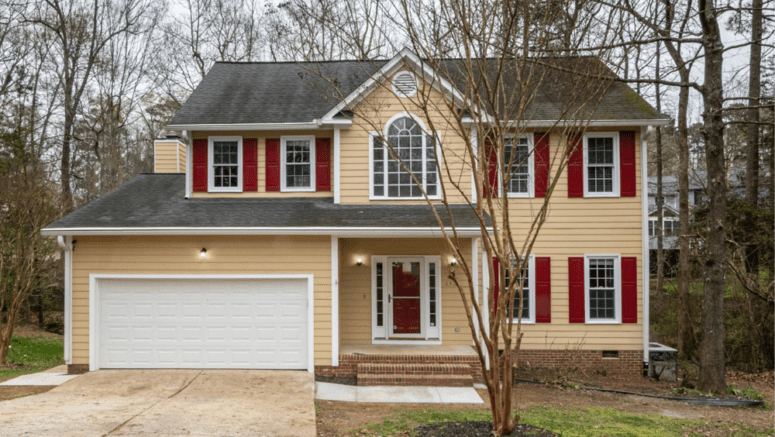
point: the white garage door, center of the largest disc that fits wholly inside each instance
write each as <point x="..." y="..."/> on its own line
<point x="202" y="323"/>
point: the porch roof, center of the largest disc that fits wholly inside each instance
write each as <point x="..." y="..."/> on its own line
<point x="153" y="203"/>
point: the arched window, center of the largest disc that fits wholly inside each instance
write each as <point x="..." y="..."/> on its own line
<point x="413" y="148"/>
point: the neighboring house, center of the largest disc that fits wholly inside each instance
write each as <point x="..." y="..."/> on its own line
<point x="670" y="210"/>
<point x="277" y="234"/>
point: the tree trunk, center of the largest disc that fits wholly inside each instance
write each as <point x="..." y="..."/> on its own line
<point x="752" y="135"/>
<point x="712" y="351"/>
<point x="686" y="342"/>
<point x="660" y="199"/>
<point x="67" y="193"/>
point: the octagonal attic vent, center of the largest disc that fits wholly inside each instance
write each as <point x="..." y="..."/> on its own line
<point x="404" y="84"/>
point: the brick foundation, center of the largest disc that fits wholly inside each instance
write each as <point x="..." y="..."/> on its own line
<point x="77" y="369"/>
<point x="628" y="362"/>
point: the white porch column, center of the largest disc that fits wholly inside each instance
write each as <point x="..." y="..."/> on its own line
<point x="334" y="301"/>
<point x="337" y="166"/>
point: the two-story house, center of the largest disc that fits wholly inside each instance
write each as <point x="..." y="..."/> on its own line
<point x="277" y="233"/>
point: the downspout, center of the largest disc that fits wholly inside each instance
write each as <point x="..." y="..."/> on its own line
<point x="337" y="165"/>
<point x="65" y="242"/>
<point x="189" y="152"/>
<point x="645" y="245"/>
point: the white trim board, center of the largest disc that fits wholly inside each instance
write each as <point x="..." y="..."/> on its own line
<point x="334" y="301"/>
<point x="94" y="295"/>
<point x="340" y="232"/>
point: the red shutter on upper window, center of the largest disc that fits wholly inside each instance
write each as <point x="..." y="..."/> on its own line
<point x="496" y="279"/>
<point x="575" y="167"/>
<point x="627" y="163"/>
<point x="250" y="164"/>
<point x="200" y="165"/>
<point x="543" y="283"/>
<point x="541" y="163"/>
<point x="491" y="157"/>
<point x="629" y="289"/>
<point x="576" y="308"/>
<point x="323" y="164"/>
<point x="272" y="164"/>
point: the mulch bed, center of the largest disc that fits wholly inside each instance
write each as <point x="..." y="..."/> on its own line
<point x="477" y="429"/>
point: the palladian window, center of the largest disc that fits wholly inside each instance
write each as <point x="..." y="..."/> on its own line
<point x="411" y="152"/>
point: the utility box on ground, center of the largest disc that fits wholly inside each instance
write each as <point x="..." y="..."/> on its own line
<point x="663" y="362"/>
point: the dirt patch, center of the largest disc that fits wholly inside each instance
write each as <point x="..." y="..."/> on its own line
<point x="477" y="429"/>
<point x="13" y="392"/>
<point x="32" y="331"/>
<point x="339" y="418"/>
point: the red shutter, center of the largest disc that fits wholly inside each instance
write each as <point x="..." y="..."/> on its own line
<point x="250" y="164"/>
<point x="323" y="164"/>
<point x="272" y="164"/>
<point x="543" y="289"/>
<point x="627" y="163"/>
<point x="491" y="156"/>
<point x="629" y="289"/>
<point x="575" y="167"/>
<point x="200" y="165"/>
<point x="576" y="304"/>
<point x="495" y="282"/>
<point x="541" y="163"/>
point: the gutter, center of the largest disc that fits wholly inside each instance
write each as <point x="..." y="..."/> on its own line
<point x="591" y="123"/>
<point x="65" y="242"/>
<point x="333" y="231"/>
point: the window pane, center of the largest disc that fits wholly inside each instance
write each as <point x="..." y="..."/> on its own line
<point x="298" y="166"/>
<point x="602" y="289"/>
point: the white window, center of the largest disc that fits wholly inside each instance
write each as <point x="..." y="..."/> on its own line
<point x="520" y="184"/>
<point x="298" y="163"/>
<point x="601" y="165"/>
<point x="670" y="227"/>
<point x="410" y="149"/>
<point x="602" y="288"/>
<point x="225" y="158"/>
<point x="652" y="227"/>
<point x="527" y="277"/>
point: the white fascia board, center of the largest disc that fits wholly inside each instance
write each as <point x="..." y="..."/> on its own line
<point x="339" y="232"/>
<point x="315" y="124"/>
<point x="591" y="123"/>
<point x="407" y="57"/>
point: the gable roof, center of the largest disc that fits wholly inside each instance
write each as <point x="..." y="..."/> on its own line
<point x="307" y="92"/>
<point x="155" y="204"/>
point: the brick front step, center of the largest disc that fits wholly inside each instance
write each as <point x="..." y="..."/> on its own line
<point x="413" y="369"/>
<point x="415" y="380"/>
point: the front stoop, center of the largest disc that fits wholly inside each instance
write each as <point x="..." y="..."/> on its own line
<point x="410" y="374"/>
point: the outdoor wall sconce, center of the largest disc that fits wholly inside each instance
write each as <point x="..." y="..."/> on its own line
<point x="453" y="262"/>
<point x="203" y="253"/>
<point x="359" y="262"/>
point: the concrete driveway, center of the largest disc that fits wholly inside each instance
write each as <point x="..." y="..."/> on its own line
<point x="168" y="403"/>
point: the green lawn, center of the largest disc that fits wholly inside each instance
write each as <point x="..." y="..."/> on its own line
<point x="36" y="353"/>
<point x="566" y="422"/>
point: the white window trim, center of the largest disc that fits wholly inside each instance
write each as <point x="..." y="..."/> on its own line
<point x="615" y="184"/>
<point x="312" y="162"/>
<point x="617" y="320"/>
<point x="381" y="335"/>
<point x="211" y="170"/>
<point x="530" y="167"/>
<point x="384" y="134"/>
<point x="531" y="267"/>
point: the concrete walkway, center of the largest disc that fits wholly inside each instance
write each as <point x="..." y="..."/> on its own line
<point x="54" y="376"/>
<point x="168" y="403"/>
<point x="407" y="395"/>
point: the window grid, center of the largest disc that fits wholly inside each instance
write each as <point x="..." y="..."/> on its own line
<point x="524" y="276"/>
<point x="432" y="293"/>
<point x="225" y="164"/>
<point x="417" y="153"/>
<point x="600" y="165"/>
<point x="380" y="296"/>
<point x="520" y="170"/>
<point x="602" y="289"/>
<point x="298" y="165"/>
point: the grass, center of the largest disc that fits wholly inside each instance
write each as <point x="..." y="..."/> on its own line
<point x="35" y="353"/>
<point x="566" y="422"/>
<point x="748" y="392"/>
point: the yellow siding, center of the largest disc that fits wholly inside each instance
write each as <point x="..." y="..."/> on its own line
<point x="182" y="157"/>
<point x="262" y="136"/>
<point x="166" y="159"/>
<point x="372" y="114"/>
<point x="355" y="286"/>
<point x="180" y="255"/>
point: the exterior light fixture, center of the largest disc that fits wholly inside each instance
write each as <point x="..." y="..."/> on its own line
<point x="203" y="253"/>
<point x="359" y="262"/>
<point x="453" y="262"/>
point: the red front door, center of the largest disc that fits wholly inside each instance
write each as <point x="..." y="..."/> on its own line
<point x="406" y="297"/>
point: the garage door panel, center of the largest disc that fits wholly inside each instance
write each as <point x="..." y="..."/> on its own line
<point x="151" y="323"/>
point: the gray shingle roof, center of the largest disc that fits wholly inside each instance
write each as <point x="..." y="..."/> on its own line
<point x="157" y="201"/>
<point x="237" y="93"/>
